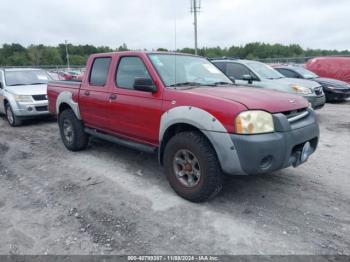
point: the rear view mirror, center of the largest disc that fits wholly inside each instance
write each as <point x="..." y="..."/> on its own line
<point x="248" y="78"/>
<point x="145" y="84"/>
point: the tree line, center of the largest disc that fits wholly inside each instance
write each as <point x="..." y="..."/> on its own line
<point x="34" y="55"/>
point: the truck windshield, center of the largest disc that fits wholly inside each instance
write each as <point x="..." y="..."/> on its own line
<point x="265" y="71"/>
<point x="26" y="77"/>
<point x="305" y="73"/>
<point x="186" y="70"/>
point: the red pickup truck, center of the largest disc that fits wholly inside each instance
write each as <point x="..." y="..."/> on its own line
<point x="183" y="108"/>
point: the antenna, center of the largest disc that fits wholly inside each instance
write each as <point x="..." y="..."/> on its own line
<point x="67" y="55"/>
<point x="175" y="40"/>
<point x="195" y="9"/>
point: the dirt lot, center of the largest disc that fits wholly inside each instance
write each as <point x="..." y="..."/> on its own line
<point x="112" y="200"/>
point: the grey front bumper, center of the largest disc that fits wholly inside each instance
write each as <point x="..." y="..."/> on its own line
<point x="264" y="153"/>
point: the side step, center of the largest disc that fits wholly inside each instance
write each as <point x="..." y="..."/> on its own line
<point x="120" y="141"/>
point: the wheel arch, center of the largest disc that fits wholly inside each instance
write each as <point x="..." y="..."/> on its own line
<point x="174" y="129"/>
<point x="185" y="118"/>
<point x="65" y="101"/>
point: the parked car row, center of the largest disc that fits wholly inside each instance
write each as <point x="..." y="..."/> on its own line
<point x="334" y="90"/>
<point x="204" y="119"/>
<point x="257" y="74"/>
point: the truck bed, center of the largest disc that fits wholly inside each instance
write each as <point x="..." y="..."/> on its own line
<point x="54" y="88"/>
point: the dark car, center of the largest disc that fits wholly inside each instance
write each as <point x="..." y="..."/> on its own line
<point x="334" y="90"/>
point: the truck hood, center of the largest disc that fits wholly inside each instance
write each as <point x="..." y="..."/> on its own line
<point x="28" y="90"/>
<point x="255" y="98"/>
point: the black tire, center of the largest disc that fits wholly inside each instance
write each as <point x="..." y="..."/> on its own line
<point x="12" y="119"/>
<point x="211" y="178"/>
<point x="75" y="139"/>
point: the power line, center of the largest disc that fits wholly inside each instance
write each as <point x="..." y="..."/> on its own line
<point x="195" y="9"/>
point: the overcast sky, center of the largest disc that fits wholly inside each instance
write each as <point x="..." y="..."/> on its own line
<point x="151" y="23"/>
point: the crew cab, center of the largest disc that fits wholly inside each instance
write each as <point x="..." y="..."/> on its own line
<point x="23" y="94"/>
<point x="188" y="112"/>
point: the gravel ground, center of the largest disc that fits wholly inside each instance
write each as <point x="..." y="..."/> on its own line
<point x="112" y="200"/>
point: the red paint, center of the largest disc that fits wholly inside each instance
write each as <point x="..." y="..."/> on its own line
<point x="136" y="115"/>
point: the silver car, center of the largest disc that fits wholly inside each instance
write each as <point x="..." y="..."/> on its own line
<point x="257" y="74"/>
<point x="23" y="94"/>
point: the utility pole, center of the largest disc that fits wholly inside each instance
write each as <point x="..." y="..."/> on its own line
<point x="195" y="9"/>
<point x="67" y="55"/>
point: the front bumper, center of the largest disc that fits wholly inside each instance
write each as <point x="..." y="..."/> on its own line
<point x="264" y="153"/>
<point x="316" y="102"/>
<point x="29" y="110"/>
<point x="269" y="152"/>
<point x="337" y="94"/>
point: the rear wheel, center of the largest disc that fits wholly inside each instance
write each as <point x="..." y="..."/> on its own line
<point x="192" y="167"/>
<point x="12" y="119"/>
<point x="72" y="131"/>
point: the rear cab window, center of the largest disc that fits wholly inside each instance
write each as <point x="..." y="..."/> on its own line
<point x="99" y="71"/>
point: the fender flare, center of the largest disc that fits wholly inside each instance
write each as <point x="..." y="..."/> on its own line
<point x="66" y="97"/>
<point x="211" y="127"/>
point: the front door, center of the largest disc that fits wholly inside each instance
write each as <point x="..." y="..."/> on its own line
<point x="134" y="114"/>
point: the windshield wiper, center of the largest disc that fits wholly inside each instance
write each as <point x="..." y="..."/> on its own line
<point x="221" y="83"/>
<point x="186" y="84"/>
<point x="17" y="85"/>
<point x="37" y="84"/>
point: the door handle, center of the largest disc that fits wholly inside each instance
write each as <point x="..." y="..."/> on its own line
<point x="87" y="93"/>
<point x="113" y="97"/>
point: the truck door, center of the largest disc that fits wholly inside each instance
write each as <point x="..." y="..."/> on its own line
<point x="94" y="95"/>
<point x="134" y="114"/>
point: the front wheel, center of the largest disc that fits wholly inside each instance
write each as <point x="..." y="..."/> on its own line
<point x="12" y="119"/>
<point x="72" y="131"/>
<point x="192" y="167"/>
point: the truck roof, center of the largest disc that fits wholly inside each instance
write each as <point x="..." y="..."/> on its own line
<point x="141" y="52"/>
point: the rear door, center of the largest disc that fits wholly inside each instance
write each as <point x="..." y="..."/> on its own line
<point x="94" y="95"/>
<point x="134" y="114"/>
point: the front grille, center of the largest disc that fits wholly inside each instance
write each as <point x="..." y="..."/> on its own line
<point x="40" y="97"/>
<point x="41" y="108"/>
<point x="319" y="91"/>
<point x="296" y="115"/>
<point x="293" y="113"/>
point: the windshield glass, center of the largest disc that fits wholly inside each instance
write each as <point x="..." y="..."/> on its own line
<point x="265" y="71"/>
<point x="26" y="77"/>
<point x="177" y="70"/>
<point x="305" y="73"/>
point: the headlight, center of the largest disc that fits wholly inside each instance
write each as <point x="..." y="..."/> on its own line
<point x="301" y="89"/>
<point x="23" y="99"/>
<point x="254" y="122"/>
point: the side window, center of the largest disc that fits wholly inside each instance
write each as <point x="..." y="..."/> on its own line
<point x="287" y="73"/>
<point x="236" y="70"/>
<point x="221" y="66"/>
<point x="130" y="68"/>
<point x="99" y="71"/>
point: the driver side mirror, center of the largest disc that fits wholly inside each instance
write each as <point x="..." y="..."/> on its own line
<point x="145" y="84"/>
<point x="248" y="78"/>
